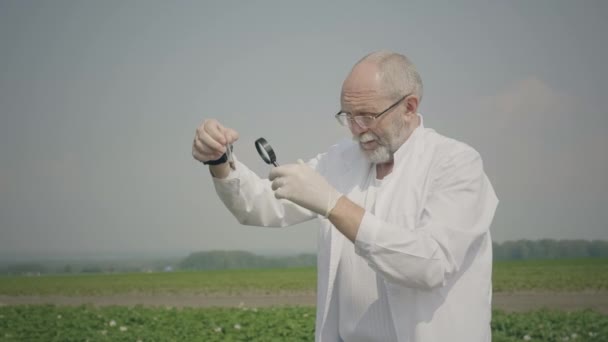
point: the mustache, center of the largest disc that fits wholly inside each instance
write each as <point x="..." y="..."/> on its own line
<point x="367" y="137"/>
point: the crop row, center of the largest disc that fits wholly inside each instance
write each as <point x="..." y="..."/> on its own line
<point x="88" y="323"/>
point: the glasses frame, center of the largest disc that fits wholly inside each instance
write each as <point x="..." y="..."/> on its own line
<point x="360" y="119"/>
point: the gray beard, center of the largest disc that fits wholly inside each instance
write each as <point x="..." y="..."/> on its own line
<point x="381" y="154"/>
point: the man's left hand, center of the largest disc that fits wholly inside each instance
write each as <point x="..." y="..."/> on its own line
<point x="305" y="187"/>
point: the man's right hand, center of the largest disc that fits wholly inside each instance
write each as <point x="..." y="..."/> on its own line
<point x="210" y="142"/>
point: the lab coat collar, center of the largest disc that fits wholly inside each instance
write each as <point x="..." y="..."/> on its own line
<point x="410" y="143"/>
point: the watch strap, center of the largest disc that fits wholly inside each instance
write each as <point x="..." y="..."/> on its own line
<point x="219" y="161"/>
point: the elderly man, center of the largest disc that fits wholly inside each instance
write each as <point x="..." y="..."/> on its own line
<point x="405" y="252"/>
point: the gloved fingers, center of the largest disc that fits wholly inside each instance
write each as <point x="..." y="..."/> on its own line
<point x="203" y="157"/>
<point x="274" y="173"/>
<point x="203" y="150"/>
<point x="230" y="135"/>
<point x="202" y="154"/>
<point x="281" y="171"/>
<point x="212" y="143"/>
<point x="278" y="182"/>
<point x="197" y="155"/>
<point x="302" y="165"/>
<point x="212" y="132"/>
<point x="280" y="193"/>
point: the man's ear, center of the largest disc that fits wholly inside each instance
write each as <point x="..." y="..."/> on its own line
<point x="411" y="103"/>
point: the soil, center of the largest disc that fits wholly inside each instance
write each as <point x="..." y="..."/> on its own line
<point x="510" y="302"/>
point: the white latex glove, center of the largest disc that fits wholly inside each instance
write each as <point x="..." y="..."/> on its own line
<point x="305" y="187"/>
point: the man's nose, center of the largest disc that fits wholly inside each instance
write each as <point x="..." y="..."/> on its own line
<point x="356" y="129"/>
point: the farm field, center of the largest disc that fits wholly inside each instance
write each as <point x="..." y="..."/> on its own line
<point x="551" y="275"/>
<point x="204" y="282"/>
<point x="588" y="275"/>
<point x="86" y="323"/>
<point x="277" y="304"/>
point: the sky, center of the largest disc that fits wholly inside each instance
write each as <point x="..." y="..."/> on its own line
<point x="100" y="100"/>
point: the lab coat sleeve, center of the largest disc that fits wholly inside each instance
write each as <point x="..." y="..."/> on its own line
<point x="251" y="200"/>
<point x="455" y="217"/>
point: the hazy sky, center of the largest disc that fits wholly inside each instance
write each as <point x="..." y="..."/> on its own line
<point x="99" y="101"/>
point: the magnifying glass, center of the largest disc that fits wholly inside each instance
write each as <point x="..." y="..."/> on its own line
<point x="266" y="152"/>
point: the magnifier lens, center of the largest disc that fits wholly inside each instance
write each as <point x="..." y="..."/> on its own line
<point x="266" y="157"/>
<point x="266" y="152"/>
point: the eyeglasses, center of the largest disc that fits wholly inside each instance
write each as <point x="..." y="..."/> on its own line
<point x="364" y="121"/>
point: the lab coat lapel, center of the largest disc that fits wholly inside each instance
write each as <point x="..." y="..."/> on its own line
<point x="399" y="202"/>
<point x="351" y="182"/>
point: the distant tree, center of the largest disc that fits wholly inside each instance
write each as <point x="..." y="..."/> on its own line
<point x="216" y="260"/>
<point x="26" y="268"/>
<point x="598" y="249"/>
<point x="91" y="269"/>
<point x="549" y="249"/>
<point x="516" y="250"/>
<point x="497" y="251"/>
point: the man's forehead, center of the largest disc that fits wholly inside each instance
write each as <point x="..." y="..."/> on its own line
<point x="364" y="76"/>
<point x="362" y="88"/>
<point x="361" y="100"/>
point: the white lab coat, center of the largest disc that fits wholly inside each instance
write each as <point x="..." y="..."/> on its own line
<point x="429" y="238"/>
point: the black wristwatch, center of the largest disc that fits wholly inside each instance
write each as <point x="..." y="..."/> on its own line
<point x="222" y="160"/>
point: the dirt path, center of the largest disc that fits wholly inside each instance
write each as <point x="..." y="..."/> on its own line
<point x="504" y="301"/>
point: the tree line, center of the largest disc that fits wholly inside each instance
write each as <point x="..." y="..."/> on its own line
<point x="509" y="250"/>
<point x="550" y="249"/>
<point x="221" y="259"/>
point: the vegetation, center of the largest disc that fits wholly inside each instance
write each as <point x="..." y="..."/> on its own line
<point x="551" y="275"/>
<point x="528" y="275"/>
<point x="550" y="249"/>
<point x="52" y="323"/>
<point x="547" y="325"/>
<point x="122" y="323"/>
<point x="109" y="265"/>
<point x="225" y="260"/>
<point x="224" y="281"/>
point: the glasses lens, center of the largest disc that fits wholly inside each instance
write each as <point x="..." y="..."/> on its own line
<point x="364" y="121"/>
<point x="342" y="119"/>
<point x="347" y="120"/>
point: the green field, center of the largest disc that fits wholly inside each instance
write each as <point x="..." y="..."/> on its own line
<point x="511" y="276"/>
<point x="123" y="323"/>
<point x="551" y="275"/>
<point x="85" y="323"/>
<point x="231" y="281"/>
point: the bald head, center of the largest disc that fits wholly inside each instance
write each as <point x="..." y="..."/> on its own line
<point x="390" y="73"/>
